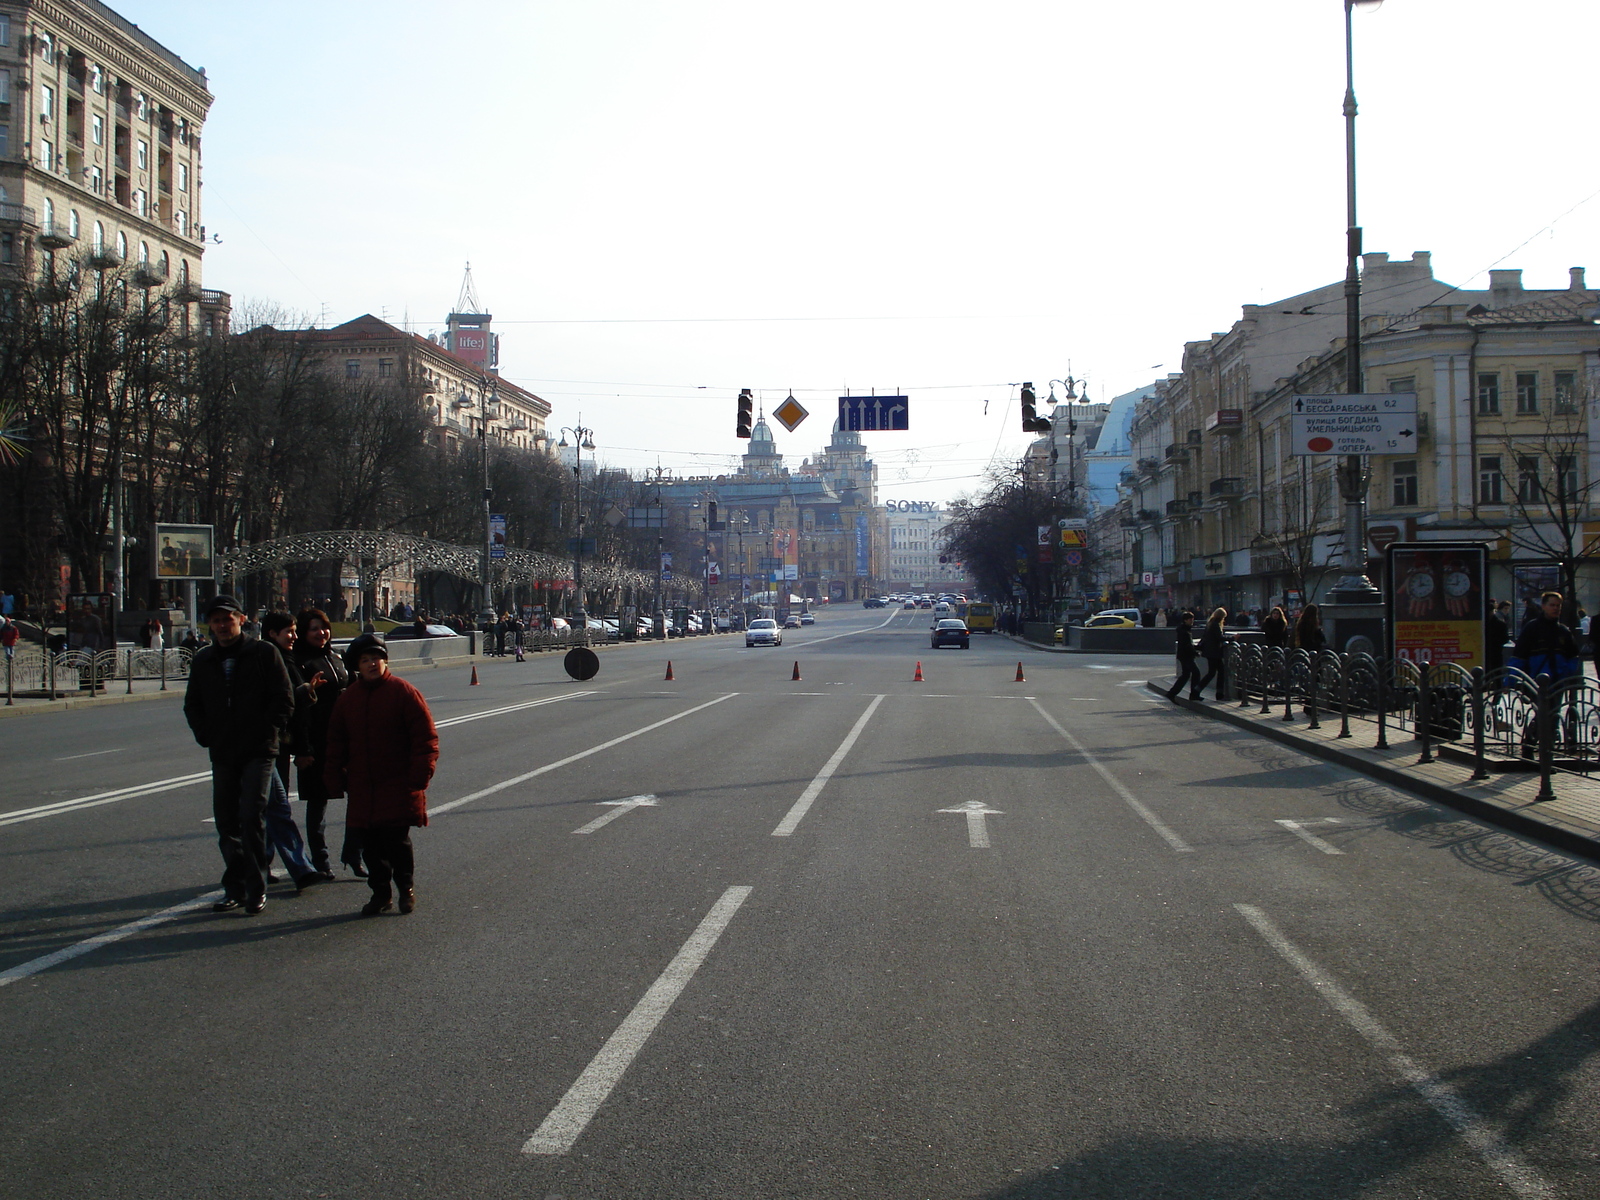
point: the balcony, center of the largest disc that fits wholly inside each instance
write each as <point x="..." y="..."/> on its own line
<point x="1227" y="487"/>
<point x="1176" y="508"/>
<point x="1149" y="465"/>
<point x="17" y="214"/>
<point x="56" y="237"/>
<point x="1147" y="515"/>
<point x="1196" y="499"/>
<point x="149" y="274"/>
<point x="103" y="258"/>
<point x="1177" y="452"/>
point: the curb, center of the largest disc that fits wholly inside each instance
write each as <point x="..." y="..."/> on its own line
<point x="1550" y="830"/>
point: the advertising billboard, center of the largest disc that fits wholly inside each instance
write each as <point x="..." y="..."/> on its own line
<point x="1438" y="602"/>
<point x="472" y="345"/>
<point x="184" y="551"/>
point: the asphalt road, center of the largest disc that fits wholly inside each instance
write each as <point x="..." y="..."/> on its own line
<point x="864" y="936"/>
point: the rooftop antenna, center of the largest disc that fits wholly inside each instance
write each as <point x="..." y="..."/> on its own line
<point x="468" y="302"/>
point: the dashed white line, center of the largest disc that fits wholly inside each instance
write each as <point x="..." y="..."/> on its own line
<point x="1474" y="1130"/>
<point x="1298" y="829"/>
<point x="510" y="708"/>
<point x="791" y="821"/>
<point x="571" y="1116"/>
<point x="1150" y="818"/>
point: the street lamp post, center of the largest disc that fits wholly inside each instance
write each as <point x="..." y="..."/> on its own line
<point x="485" y="390"/>
<point x="1354" y="587"/>
<point x="582" y="439"/>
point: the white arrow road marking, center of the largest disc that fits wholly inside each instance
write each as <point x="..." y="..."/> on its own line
<point x="1297" y="828"/>
<point x="977" y="828"/>
<point x="557" y="1133"/>
<point x="618" y="808"/>
<point x="1521" y="1178"/>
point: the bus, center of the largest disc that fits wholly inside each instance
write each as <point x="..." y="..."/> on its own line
<point x="980" y="616"/>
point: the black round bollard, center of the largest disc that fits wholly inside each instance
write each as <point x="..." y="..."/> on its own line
<point x="581" y="663"/>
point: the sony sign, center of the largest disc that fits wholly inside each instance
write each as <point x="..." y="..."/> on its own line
<point x="911" y="506"/>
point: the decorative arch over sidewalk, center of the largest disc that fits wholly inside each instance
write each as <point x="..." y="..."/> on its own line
<point x="374" y="554"/>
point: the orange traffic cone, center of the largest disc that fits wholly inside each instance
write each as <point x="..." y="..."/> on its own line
<point x="917" y="678"/>
<point x="669" y="672"/>
<point x="796" y="674"/>
<point x="474" y="674"/>
<point x="1020" y="679"/>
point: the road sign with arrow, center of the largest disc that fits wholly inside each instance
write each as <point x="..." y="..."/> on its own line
<point x="1364" y="423"/>
<point x="867" y="413"/>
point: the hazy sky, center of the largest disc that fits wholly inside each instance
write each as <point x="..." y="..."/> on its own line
<point x="666" y="201"/>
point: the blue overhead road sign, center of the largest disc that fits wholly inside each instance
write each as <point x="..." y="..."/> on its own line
<point x="859" y="414"/>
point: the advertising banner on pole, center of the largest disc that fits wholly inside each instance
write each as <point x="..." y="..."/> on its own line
<point x="184" y="551"/>
<point x="1438" y="602"/>
<point x="863" y="547"/>
<point x="497" y="535"/>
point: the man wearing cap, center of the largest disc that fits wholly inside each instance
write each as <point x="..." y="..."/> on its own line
<point x="238" y="701"/>
<point x="381" y="750"/>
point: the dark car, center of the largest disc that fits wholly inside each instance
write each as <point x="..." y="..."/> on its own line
<point x="949" y="631"/>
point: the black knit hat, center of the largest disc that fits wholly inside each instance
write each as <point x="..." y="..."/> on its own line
<point x="367" y="643"/>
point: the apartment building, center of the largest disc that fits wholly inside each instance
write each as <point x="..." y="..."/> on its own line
<point x="1222" y="512"/>
<point x="100" y="129"/>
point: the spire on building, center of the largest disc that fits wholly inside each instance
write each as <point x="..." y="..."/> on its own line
<point x="468" y="302"/>
<point x="467" y="333"/>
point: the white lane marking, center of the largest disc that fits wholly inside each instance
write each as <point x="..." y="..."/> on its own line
<point x="1474" y="1130"/>
<point x="33" y="967"/>
<point x="1297" y="828"/>
<point x="977" y="828"/>
<point x="1150" y="818"/>
<point x="18" y="815"/>
<point x="814" y="789"/>
<point x="619" y="808"/>
<point x="568" y="1119"/>
<point x="832" y="636"/>
<point x="510" y="708"/>
<point x="91" y="754"/>
<point x="572" y="758"/>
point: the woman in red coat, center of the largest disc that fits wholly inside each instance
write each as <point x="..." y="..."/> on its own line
<point x="382" y="748"/>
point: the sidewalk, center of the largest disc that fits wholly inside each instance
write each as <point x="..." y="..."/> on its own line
<point x="1570" y="822"/>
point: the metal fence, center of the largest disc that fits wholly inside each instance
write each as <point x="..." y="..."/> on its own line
<point x="1496" y="721"/>
<point x="31" y="670"/>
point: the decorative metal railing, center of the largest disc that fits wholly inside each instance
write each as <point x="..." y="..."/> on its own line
<point x="1496" y="721"/>
<point x="31" y="670"/>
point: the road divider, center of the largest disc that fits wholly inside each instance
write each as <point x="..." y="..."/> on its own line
<point x="571" y="1116"/>
<point x="814" y="789"/>
<point x="434" y="810"/>
<point x="1128" y="798"/>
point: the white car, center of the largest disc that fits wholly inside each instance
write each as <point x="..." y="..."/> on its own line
<point x="763" y="632"/>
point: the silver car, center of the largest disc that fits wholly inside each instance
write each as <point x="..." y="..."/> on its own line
<point x="763" y="632"/>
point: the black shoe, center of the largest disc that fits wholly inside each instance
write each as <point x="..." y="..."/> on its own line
<point x="272" y="877"/>
<point x="378" y="904"/>
<point x="1196" y="699"/>
<point x="308" y="881"/>
<point x="408" y="899"/>
<point x="325" y="875"/>
<point x="226" y="904"/>
<point x="255" y="904"/>
<point x="356" y="869"/>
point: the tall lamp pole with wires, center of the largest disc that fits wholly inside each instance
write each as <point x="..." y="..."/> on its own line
<point x="582" y="439"/>
<point x="1354" y="587"/>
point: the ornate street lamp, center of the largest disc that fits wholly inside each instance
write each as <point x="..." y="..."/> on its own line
<point x="582" y="439"/>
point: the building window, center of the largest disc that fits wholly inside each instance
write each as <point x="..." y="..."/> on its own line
<point x="99" y="240"/>
<point x="122" y="245"/>
<point x="98" y="130"/>
<point x="49" y="215"/>
<point x="183" y="177"/>
<point x="144" y="252"/>
<point x="1567" y="477"/>
<point x="47" y="155"/>
<point x="183" y="221"/>
<point x="352" y="368"/>
<point x="143" y="156"/>
<point x="5" y="87"/>
<point x="47" y="101"/>
<point x="386" y="368"/>
<point x="1566" y="392"/>
<point x="5" y="29"/>
<point x="1528" y="489"/>
<point x="1489" y="395"/>
<point x="143" y="106"/>
<point x="1489" y="477"/>
<point x="1527" y="392"/>
<point x="47" y="48"/>
<point x="5" y="140"/>
<point x="1405" y="483"/>
<point x="140" y="203"/>
<point x="97" y="180"/>
<point x="97" y="80"/>
<point x="72" y="223"/>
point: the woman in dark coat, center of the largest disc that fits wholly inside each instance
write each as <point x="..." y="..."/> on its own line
<point x="314" y="656"/>
<point x="1275" y="629"/>
<point x="382" y="748"/>
<point x="1308" y="635"/>
<point x="1212" y="643"/>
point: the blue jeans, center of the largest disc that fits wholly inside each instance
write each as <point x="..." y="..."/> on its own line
<point x="283" y="834"/>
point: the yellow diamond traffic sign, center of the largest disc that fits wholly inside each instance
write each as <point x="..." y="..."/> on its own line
<point x="790" y="413"/>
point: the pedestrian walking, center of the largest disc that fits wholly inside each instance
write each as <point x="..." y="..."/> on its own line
<point x="1496" y="633"/>
<point x="1275" y="628"/>
<point x="1187" y="673"/>
<point x="381" y="751"/>
<point x="283" y="834"/>
<point x="1546" y="646"/>
<point x="1308" y="635"/>
<point x="1212" y="645"/>
<point x="238" y="698"/>
<point x="9" y="634"/>
<point x="316" y="660"/>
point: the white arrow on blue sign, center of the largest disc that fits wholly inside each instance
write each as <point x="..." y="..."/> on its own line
<point x="865" y="414"/>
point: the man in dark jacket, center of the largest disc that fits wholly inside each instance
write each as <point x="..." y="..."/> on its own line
<point x="1546" y="646"/>
<point x="1188" y="672"/>
<point x="238" y="700"/>
<point x="382" y="748"/>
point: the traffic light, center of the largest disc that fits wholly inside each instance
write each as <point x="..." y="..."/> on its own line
<point x="747" y="412"/>
<point x="1032" y="422"/>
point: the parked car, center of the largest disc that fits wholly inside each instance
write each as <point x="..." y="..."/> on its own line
<point x="763" y="631"/>
<point x="951" y="631"/>
<point x="1110" y="620"/>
